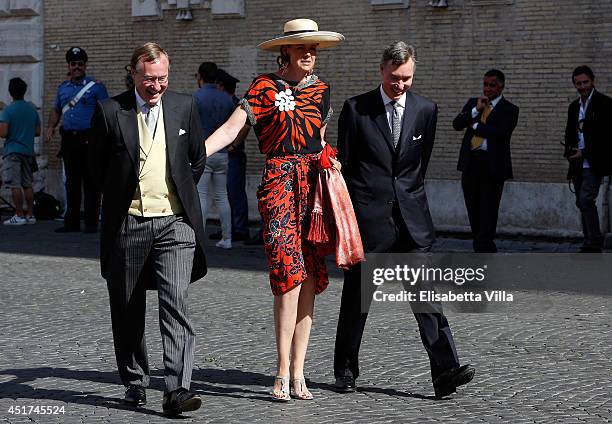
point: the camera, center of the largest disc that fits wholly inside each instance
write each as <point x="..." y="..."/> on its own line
<point x="569" y="150"/>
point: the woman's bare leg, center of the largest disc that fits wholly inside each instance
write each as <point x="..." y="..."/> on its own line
<point x="285" y="313"/>
<point x="301" y="336"/>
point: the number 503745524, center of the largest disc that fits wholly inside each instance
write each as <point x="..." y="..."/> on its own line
<point x="37" y="409"/>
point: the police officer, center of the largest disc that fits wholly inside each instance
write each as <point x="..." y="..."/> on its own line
<point x="75" y="100"/>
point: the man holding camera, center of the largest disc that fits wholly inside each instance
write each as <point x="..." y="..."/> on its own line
<point x="76" y="100"/>
<point x="589" y="151"/>
<point x="484" y="159"/>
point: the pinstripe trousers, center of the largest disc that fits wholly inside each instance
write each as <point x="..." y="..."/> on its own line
<point x="162" y="250"/>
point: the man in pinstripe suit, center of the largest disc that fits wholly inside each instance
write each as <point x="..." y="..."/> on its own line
<point x="147" y="156"/>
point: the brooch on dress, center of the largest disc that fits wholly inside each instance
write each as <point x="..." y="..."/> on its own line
<point x="285" y="100"/>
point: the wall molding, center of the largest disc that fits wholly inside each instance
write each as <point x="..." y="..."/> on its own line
<point x="491" y="2"/>
<point x="389" y="4"/>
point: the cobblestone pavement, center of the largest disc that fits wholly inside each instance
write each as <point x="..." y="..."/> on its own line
<point x="57" y="350"/>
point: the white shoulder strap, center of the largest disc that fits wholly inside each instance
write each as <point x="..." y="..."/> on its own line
<point x="72" y="103"/>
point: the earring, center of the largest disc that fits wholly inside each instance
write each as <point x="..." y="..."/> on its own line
<point x="284" y="68"/>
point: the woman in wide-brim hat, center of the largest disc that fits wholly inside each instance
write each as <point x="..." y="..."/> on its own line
<point x="289" y="111"/>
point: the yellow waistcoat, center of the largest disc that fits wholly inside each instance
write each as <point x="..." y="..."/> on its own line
<point x="156" y="192"/>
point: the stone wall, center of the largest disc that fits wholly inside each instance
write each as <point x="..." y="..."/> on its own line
<point x="536" y="43"/>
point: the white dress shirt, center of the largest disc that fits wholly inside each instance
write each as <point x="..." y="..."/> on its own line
<point x="389" y="107"/>
<point x="581" y="116"/>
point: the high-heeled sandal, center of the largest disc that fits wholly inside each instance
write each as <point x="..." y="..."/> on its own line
<point x="303" y="393"/>
<point x="281" y="395"/>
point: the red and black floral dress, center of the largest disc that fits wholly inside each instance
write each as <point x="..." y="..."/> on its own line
<point x="287" y="118"/>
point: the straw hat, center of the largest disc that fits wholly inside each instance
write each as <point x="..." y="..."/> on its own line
<point x="303" y="31"/>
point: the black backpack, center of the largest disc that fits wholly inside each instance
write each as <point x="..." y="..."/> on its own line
<point x="46" y="206"/>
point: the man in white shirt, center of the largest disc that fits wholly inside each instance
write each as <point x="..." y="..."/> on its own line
<point x="385" y="140"/>
<point x="589" y="151"/>
<point x="147" y="155"/>
<point x="484" y="158"/>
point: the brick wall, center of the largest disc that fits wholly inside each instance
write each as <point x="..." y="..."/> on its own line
<point x="536" y="43"/>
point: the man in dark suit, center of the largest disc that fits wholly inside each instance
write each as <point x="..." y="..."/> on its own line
<point x="588" y="148"/>
<point x="484" y="158"/>
<point x="147" y="156"/>
<point x="385" y="139"/>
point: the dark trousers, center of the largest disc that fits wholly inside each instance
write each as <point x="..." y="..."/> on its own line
<point x="161" y="249"/>
<point x="587" y="188"/>
<point x="482" y="194"/>
<point x="236" y="192"/>
<point x="434" y="330"/>
<point x="74" y="153"/>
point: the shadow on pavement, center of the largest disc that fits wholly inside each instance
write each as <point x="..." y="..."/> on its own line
<point x="236" y="377"/>
<point x="206" y="382"/>
<point x="18" y="388"/>
<point x="41" y="240"/>
<point x="393" y="392"/>
<point x="231" y="383"/>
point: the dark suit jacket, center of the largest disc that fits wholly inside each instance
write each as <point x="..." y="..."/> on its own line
<point x="114" y="162"/>
<point x="498" y="130"/>
<point x="597" y="131"/>
<point x="377" y="175"/>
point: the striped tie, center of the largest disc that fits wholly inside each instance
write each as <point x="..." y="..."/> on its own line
<point x="396" y="124"/>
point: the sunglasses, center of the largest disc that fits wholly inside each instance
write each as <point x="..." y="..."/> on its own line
<point x="77" y="63"/>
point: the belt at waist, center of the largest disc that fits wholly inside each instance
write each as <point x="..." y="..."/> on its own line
<point x="73" y="133"/>
<point x="295" y="156"/>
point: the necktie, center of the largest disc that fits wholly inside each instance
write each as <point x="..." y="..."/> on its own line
<point x="396" y="124"/>
<point x="150" y="119"/>
<point x="476" y="140"/>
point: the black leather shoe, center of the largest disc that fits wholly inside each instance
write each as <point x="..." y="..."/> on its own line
<point x="345" y="384"/>
<point x="446" y="384"/>
<point x="135" y="396"/>
<point x="179" y="401"/>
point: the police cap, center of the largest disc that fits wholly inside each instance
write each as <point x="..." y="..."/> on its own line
<point x="226" y="78"/>
<point x="76" y="53"/>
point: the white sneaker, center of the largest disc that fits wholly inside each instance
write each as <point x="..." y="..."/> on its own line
<point x="30" y="220"/>
<point x="16" y="220"/>
<point x="224" y="243"/>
